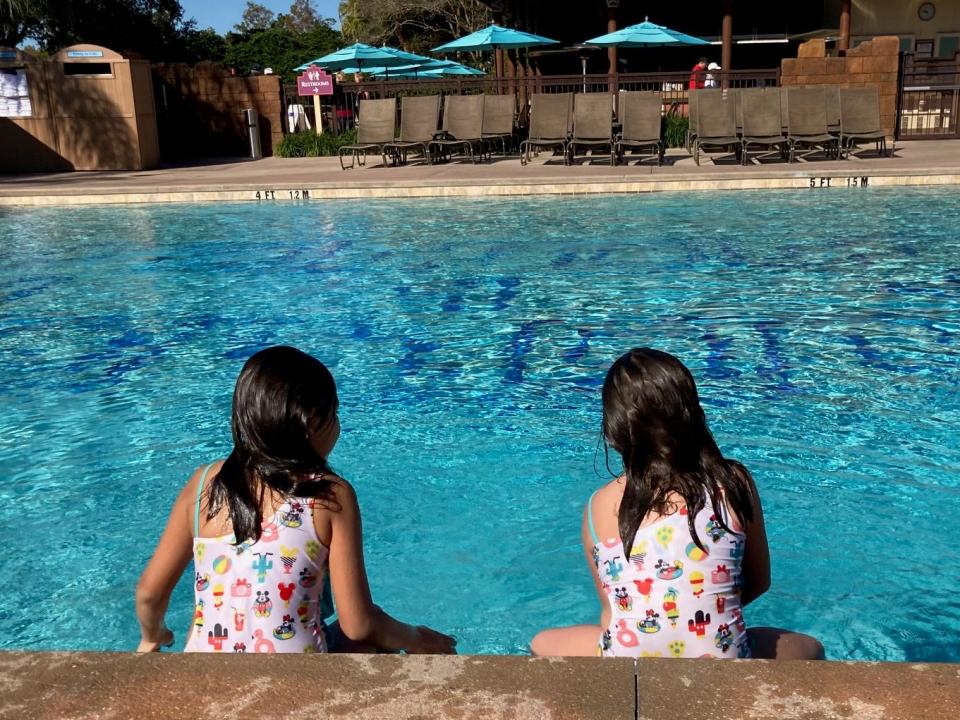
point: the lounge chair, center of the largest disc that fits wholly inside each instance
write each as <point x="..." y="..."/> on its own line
<point x="377" y="127"/>
<point x="860" y="119"/>
<point x="831" y="94"/>
<point x="716" y="123"/>
<point x="641" y="119"/>
<point x="593" y="123"/>
<point x="762" y="125"/>
<point x="807" y="122"/>
<point x="499" y="112"/>
<point x="691" y="119"/>
<point x="733" y="94"/>
<point x="550" y="118"/>
<point x="462" y="126"/>
<point x="419" y="115"/>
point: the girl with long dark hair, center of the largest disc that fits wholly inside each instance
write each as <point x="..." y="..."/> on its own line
<point x="267" y="526"/>
<point x="676" y="544"/>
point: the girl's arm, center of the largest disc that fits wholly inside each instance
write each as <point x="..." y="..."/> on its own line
<point x="360" y="619"/>
<point x="170" y="559"/>
<point x="587" y="540"/>
<point x="755" y="570"/>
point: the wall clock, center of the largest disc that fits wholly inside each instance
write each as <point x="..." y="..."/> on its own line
<point x="926" y="11"/>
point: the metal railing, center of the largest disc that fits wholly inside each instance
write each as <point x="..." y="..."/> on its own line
<point x="929" y="99"/>
<point x="341" y="111"/>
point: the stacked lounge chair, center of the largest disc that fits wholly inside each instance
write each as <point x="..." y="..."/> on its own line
<point x="551" y="115"/>
<point x="860" y="119"/>
<point x="716" y="123"/>
<point x="462" y="126"/>
<point x="593" y="123"/>
<point x="807" y="122"/>
<point x="377" y="128"/>
<point x="640" y="116"/>
<point x="418" y="125"/>
<point x="762" y="124"/>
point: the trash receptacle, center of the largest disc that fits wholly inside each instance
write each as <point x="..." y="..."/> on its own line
<point x="252" y="120"/>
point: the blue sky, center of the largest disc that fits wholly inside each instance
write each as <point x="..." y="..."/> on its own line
<point x="222" y="15"/>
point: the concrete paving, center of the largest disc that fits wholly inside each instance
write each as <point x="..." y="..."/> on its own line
<point x="390" y="687"/>
<point x="273" y="179"/>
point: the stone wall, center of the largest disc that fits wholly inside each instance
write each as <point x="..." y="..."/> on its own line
<point x="200" y="111"/>
<point x="875" y="62"/>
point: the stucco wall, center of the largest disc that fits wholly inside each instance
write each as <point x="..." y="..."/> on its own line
<point x="899" y="17"/>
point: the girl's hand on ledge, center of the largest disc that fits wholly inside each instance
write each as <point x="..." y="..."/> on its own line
<point x="165" y="641"/>
<point x="432" y="642"/>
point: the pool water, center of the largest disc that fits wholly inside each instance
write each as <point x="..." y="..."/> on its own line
<point x="469" y="340"/>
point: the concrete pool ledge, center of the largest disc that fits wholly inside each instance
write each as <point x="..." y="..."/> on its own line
<point x="349" y="687"/>
<point x="278" y="180"/>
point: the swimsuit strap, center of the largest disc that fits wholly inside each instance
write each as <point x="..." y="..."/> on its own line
<point x="593" y="533"/>
<point x="196" y="510"/>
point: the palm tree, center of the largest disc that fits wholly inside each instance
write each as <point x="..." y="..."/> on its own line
<point x="13" y="9"/>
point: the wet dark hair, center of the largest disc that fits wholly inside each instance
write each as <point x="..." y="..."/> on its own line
<point x="283" y="396"/>
<point x="702" y="61"/>
<point x="653" y="419"/>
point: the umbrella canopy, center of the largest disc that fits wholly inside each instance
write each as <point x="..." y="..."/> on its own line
<point x="645" y="34"/>
<point x="358" y="56"/>
<point x="455" y="69"/>
<point x="411" y="58"/>
<point x="433" y="68"/>
<point x="493" y="37"/>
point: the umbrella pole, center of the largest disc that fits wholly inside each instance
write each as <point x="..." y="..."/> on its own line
<point x="498" y="69"/>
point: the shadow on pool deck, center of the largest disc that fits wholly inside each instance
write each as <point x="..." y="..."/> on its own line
<point x="917" y="162"/>
<point x="348" y="687"/>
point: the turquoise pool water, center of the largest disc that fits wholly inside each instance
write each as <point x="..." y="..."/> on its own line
<point x="469" y="340"/>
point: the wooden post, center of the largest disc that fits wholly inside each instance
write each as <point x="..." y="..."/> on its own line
<point x="612" y="27"/>
<point x="317" y="115"/>
<point x="843" y="44"/>
<point x="498" y="68"/>
<point x="726" y="50"/>
<point x="510" y="72"/>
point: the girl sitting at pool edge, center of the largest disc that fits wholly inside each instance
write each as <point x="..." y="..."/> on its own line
<point x="676" y="544"/>
<point x="264" y="528"/>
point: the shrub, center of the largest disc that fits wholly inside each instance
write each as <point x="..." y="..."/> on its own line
<point x="675" y="130"/>
<point x="309" y="144"/>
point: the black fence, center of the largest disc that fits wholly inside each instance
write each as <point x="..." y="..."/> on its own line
<point x="340" y="110"/>
<point x="929" y="98"/>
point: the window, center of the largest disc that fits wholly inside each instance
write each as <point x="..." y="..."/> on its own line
<point x="86" y="69"/>
<point x="924" y="49"/>
<point x="948" y="46"/>
<point x="906" y="44"/>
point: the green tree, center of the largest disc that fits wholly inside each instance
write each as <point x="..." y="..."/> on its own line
<point x="413" y="24"/>
<point x="255" y="17"/>
<point x="206" y="44"/>
<point x="302" y="17"/>
<point x="280" y="49"/>
<point x="150" y="28"/>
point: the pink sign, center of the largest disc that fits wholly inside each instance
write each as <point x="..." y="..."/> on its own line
<point x="314" y="82"/>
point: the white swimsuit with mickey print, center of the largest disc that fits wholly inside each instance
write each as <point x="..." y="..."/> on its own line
<point x="261" y="597"/>
<point x="670" y="598"/>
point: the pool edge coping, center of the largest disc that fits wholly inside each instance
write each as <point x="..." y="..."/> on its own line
<point x="282" y="190"/>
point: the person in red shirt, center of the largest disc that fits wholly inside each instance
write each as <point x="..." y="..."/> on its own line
<point x="698" y="74"/>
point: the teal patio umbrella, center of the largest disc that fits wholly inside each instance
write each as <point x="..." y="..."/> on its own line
<point x="433" y="68"/>
<point x="494" y="37"/>
<point x="454" y="69"/>
<point x="359" y="56"/>
<point x="645" y="34"/>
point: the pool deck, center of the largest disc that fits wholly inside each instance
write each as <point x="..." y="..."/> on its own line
<point x="350" y="687"/>
<point x="933" y="162"/>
